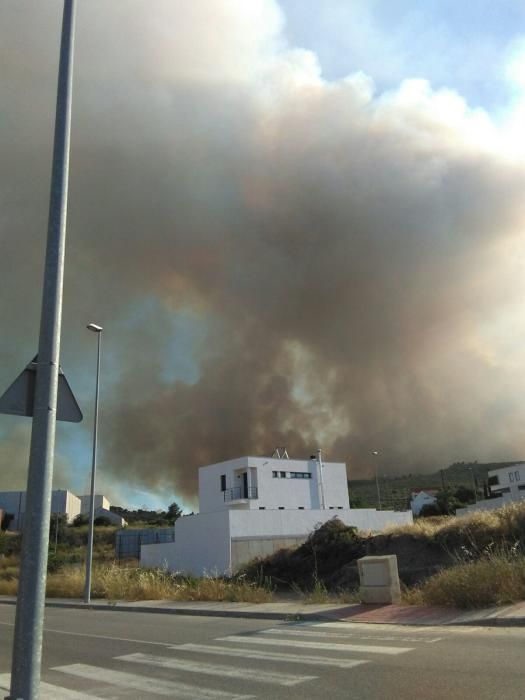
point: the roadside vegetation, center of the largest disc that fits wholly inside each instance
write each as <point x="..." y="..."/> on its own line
<point x="468" y="562"/>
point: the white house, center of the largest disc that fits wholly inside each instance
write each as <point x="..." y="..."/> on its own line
<point x="253" y="506"/>
<point x="506" y="485"/>
<point x="422" y="497"/>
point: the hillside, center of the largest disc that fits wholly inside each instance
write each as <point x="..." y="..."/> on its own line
<point x="395" y="490"/>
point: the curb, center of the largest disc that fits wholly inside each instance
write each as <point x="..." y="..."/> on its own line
<point x="298" y="616"/>
<point x="248" y="614"/>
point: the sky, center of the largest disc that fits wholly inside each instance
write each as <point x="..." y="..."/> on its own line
<point x="299" y="224"/>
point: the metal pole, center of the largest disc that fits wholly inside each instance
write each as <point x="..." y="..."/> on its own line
<point x="321" y="479"/>
<point x="474" y="485"/>
<point x="27" y="644"/>
<point x="376" y="454"/>
<point x="89" y="559"/>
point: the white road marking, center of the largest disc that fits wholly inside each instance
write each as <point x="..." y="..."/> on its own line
<point x="271" y="656"/>
<point x="147" y="685"/>
<point x="349" y="635"/>
<point x="286" y="679"/>
<point x="49" y="691"/>
<point x="369" y="648"/>
<point x="99" y="636"/>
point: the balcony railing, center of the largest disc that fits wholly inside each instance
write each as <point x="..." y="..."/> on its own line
<point x="240" y="492"/>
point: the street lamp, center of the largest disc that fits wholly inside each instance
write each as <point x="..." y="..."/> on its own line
<point x="89" y="559"/>
<point x="376" y="454"/>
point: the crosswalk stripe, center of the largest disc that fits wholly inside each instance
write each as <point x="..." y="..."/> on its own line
<point x="286" y="679"/>
<point x="271" y="656"/>
<point x="49" y="691"/>
<point x="150" y="686"/>
<point x="368" y="648"/>
<point x="292" y="632"/>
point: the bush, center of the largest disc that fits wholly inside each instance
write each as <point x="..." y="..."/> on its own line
<point x="81" y="519"/>
<point x="495" y="579"/>
<point x="102" y="521"/>
<point x="316" y="563"/>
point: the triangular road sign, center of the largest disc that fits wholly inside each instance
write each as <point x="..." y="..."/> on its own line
<point x="19" y="398"/>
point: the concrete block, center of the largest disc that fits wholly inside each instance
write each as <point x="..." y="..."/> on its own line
<point x="379" y="579"/>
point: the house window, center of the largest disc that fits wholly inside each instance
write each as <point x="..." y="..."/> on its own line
<point x="301" y="507"/>
<point x="511" y="477"/>
<point x="223" y="482"/>
<point x="262" y="507"/>
<point x="281" y="507"/>
<point x="282" y="475"/>
<point x="493" y="480"/>
<point x="517" y="475"/>
<point x="274" y="475"/>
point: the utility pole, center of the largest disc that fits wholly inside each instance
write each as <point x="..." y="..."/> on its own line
<point x="376" y="455"/>
<point x="27" y="645"/>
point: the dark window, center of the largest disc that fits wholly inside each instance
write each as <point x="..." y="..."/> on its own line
<point x="223" y="482"/>
<point x="281" y="507"/>
<point x="493" y="480"/>
<point x="262" y="507"/>
<point x="274" y="474"/>
<point x="511" y="477"/>
<point x="302" y="507"/>
<point x="282" y="475"/>
<point x="521" y="487"/>
<point x="517" y="475"/>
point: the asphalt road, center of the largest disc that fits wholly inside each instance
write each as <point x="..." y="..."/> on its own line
<point x="114" y="655"/>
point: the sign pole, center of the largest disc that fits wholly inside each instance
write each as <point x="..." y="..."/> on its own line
<point x="27" y="645"/>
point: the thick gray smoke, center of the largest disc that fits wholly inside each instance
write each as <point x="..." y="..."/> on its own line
<point x="349" y="263"/>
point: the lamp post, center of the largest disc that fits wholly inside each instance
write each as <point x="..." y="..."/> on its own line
<point x="376" y="454"/>
<point x="474" y="485"/>
<point x="89" y="558"/>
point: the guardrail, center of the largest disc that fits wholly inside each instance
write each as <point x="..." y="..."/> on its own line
<point x="239" y="492"/>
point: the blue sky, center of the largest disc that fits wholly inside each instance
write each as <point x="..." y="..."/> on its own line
<point x="461" y="45"/>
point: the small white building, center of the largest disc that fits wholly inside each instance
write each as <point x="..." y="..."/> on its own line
<point x="62" y="503"/>
<point x="422" y="497"/>
<point x="100" y="502"/>
<point x="253" y="506"/>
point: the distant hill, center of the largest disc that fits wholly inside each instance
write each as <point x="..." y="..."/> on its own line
<point x="395" y="490"/>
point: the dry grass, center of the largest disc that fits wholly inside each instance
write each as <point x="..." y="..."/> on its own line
<point x="481" y="528"/>
<point x="9" y="567"/>
<point x="495" y="579"/>
<point x="115" y="583"/>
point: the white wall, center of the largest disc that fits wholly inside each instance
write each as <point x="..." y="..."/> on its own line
<point x="202" y="546"/>
<point x="100" y="502"/>
<point x="294" y="523"/>
<point x="211" y="498"/>
<point x="204" y="543"/>
<point x="158" y="556"/>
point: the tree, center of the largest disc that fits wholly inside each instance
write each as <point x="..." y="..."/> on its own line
<point x="464" y="494"/>
<point x="174" y="512"/>
<point x="102" y="521"/>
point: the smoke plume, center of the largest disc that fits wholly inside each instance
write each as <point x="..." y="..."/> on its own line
<point x="276" y="259"/>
